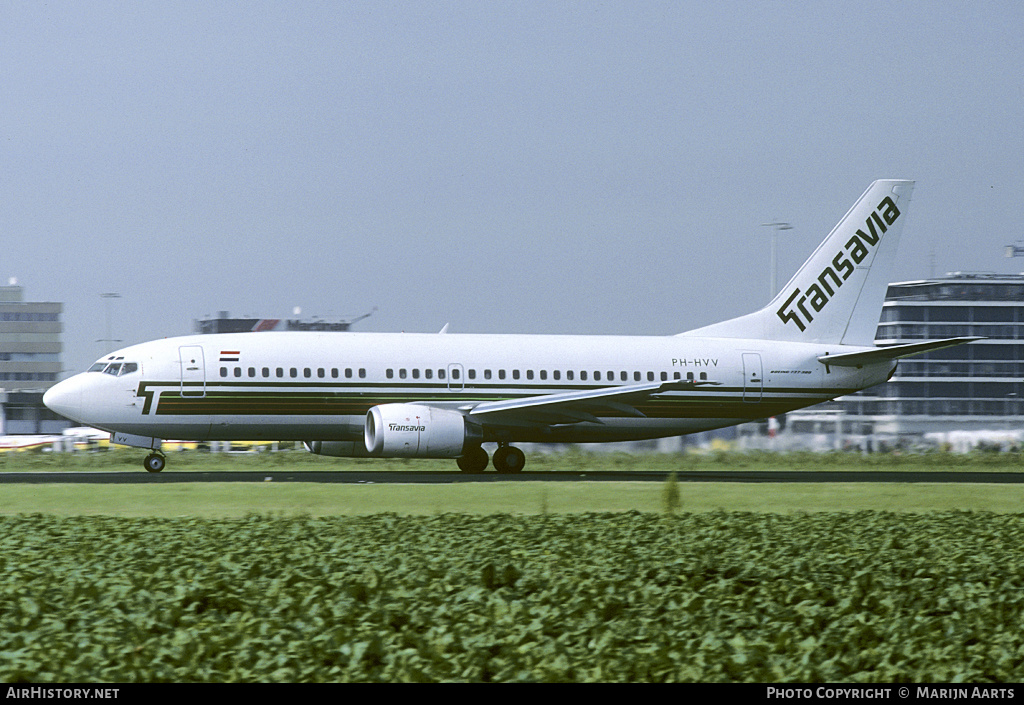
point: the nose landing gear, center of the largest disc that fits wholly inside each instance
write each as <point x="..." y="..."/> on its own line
<point x="154" y="462"/>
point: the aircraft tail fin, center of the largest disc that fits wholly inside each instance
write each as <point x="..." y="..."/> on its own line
<point x="836" y="296"/>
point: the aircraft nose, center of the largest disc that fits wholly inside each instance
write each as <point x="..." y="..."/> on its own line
<point x="65" y="398"/>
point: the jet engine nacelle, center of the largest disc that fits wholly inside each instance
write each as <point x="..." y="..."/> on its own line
<point x="413" y="431"/>
<point x="338" y="449"/>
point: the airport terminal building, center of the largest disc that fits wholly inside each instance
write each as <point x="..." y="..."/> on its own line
<point x="30" y="362"/>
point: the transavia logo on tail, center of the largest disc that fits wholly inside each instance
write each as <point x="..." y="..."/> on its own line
<point x="832" y="276"/>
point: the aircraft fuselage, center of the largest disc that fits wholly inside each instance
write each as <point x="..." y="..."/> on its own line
<point x="320" y="386"/>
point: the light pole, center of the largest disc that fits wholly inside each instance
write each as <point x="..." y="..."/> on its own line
<point x="776" y="227"/>
<point x="108" y="296"/>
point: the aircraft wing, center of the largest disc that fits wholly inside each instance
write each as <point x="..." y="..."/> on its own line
<point x="574" y="407"/>
<point x="891" y="352"/>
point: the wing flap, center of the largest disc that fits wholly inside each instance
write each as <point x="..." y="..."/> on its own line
<point x="574" y="407"/>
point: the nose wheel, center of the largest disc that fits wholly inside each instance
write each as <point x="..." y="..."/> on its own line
<point x="154" y="462"/>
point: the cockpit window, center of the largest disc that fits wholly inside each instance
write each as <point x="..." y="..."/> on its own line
<point x="117" y="369"/>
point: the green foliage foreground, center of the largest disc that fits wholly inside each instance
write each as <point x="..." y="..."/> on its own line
<point x="722" y="596"/>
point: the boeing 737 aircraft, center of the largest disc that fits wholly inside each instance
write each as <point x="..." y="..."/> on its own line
<point x="443" y="395"/>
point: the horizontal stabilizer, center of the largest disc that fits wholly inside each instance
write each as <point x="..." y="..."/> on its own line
<point x="891" y="352"/>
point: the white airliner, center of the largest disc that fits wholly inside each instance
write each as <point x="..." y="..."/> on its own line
<point x="442" y="395"/>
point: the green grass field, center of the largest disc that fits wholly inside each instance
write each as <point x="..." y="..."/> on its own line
<point x="215" y="500"/>
<point x="575" y="460"/>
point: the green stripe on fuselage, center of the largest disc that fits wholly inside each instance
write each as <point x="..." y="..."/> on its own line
<point x="342" y="399"/>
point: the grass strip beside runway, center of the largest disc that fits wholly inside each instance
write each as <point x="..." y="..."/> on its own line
<point x="571" y="460"/>
<point x="225" y="500"/>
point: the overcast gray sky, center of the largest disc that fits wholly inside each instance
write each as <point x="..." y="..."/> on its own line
<point x="537" y="167"/>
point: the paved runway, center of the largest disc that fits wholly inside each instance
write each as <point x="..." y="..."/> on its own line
<point x="428" y="477"/>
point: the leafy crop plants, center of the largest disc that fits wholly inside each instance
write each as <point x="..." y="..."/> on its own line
<point x="726" y="596"/>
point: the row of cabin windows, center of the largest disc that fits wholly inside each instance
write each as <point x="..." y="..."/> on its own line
<point x="570" y="375"/>
<point x="308" y="373"/>
<point x="441" y="373"/>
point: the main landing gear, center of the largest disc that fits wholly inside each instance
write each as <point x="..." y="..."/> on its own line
<point x="154" y="462"/>
<point x="507" y="459"/>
